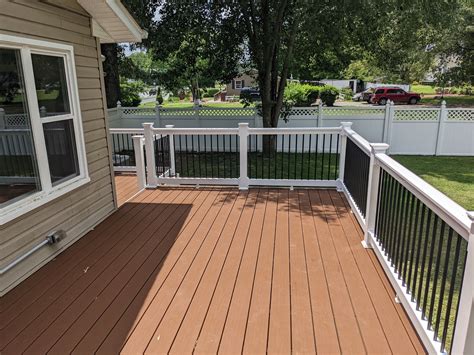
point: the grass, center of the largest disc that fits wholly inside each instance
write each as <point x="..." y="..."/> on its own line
<point x="454" y="176"/>
<point x="423" y="89"/>
<point x="187" y="104"/>
<point x="457" y="100"/>
<point x="304" y="166"/>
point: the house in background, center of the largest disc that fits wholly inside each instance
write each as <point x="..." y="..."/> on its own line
<point x="238" y="83"/>
<point x="56" y="177"/>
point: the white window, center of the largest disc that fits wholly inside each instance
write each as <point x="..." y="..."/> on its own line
<point x="42" y="151"/>
<point x="238" y="84"/>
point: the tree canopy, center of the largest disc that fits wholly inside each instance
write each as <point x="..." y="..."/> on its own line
<point x="196" y="43"/>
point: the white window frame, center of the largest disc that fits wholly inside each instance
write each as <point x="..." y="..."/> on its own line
<point x="48" y="192"/>
<point x="240" y="84"/>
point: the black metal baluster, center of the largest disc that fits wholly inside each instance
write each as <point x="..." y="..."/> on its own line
<point x="289" y="154"/>
<point x="423" y="258"/>
<point x="296" y="156"/>
<point x="212" y="159"/>
<point x="380" y="201"/>
<point x="330" y="153"/>
<point x="409" y="235"/>
<point x="180" y="156"/>
<point x="336" y="170"/>
<point x="430" y="263"/>
<point x="262" y="156"/>
<point x="308" y="176"/>
<point x="316" y="158"/>
<point x="418" y="252"/>
<point x="443" y="284"/>
<point x="452" y="283"/>
<point x="282" y="155"/>
<point x="392" y="225"/>
<point x="322" y="156"/>
<point x="436" y="274"/>
<point x="403" y="227"/>
<point x="413" y="245"/>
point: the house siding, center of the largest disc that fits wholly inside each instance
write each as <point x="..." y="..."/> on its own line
<point x="77" y="212"/>
<point x="249" y="81"/>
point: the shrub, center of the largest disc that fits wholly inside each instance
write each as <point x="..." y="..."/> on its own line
<point x="212" y="91"/>
<point x="346" y="93"/>
<point x="130" y="93"/>
<point x="301" y="94"/>
<point x="328" y="94"/>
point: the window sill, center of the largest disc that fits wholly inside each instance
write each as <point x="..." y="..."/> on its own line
<point x="28" y="204"/>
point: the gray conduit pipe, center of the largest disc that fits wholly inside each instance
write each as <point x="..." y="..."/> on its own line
<point x="50" y="239"/>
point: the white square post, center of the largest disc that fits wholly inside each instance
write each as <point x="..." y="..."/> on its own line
<point x="443" y="116"/>
<point x="345" y="126"/>
<point x="138" y="144"/>
<point x="463" y="341"/>
<point x="172" y="156"/>
<point x="372" y="192"/>
<point x="152" y="179"/>
<point x="243" y="136"/>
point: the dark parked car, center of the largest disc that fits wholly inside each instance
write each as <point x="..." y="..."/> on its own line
<point x="250" y="93"/>
<point x="398" y="95"/>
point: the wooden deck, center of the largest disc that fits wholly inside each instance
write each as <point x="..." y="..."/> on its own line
<point x="212" y="270"/>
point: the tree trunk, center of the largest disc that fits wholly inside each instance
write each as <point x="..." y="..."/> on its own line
<point x="111" y="73"/>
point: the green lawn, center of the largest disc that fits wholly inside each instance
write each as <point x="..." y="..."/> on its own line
<point x="423" y="89"/>
<point x="458" y="100"/>
<point x="454" y="176"/>
<point x="187" y="104"/>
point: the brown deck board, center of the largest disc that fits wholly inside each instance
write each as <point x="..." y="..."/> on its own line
<point x="211" y="270"/>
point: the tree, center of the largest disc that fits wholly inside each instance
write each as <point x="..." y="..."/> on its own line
<point x="199" y="43"/>
<point x="143" y="12"/>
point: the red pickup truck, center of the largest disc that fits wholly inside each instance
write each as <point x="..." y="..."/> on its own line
<point x="382" y="94"/>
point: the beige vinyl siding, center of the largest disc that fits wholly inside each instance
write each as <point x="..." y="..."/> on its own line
<point x="80" y="210"/>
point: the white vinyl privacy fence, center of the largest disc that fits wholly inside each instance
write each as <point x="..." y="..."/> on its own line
<point x="407" y="129"/>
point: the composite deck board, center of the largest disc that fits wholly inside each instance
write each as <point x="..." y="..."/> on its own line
<point x="209" y="270"/>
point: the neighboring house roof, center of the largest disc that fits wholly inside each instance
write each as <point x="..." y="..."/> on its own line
<point x="112" y="22"/>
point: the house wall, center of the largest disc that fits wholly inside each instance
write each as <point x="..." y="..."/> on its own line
<point x="77" y="212"/>
<point x="248" y="81"/>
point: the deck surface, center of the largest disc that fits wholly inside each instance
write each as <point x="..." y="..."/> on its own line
<point x="212" y="270"/>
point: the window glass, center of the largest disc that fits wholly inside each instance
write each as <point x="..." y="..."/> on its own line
<point x="51" y="85"/>
<point x="238" y="84"/>
<point x="18" y="166"/>
<point x="392" y="91"/>
<point x="61" y="150"/>
<point x="379" y="91"/>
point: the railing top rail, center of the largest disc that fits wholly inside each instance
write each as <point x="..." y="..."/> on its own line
<point x="296" y="130"/>
<point x="443" y="206"/>
<point x="358" y="140"/>
<point x="126" y="130"/>
<point x="197" y="131"/>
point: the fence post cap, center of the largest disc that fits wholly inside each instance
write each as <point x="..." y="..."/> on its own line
<point x="379" y="147"/>
<point x="169" y="126"/>
<point x="147" y="125"/>
<point x="119" y="104"/>
<point x="391" y="103"/>
<point x="243" y="124"/>
<point x="443" y="103"/>
<point x="2" y="109"/>
<point x="346" y="124"/>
